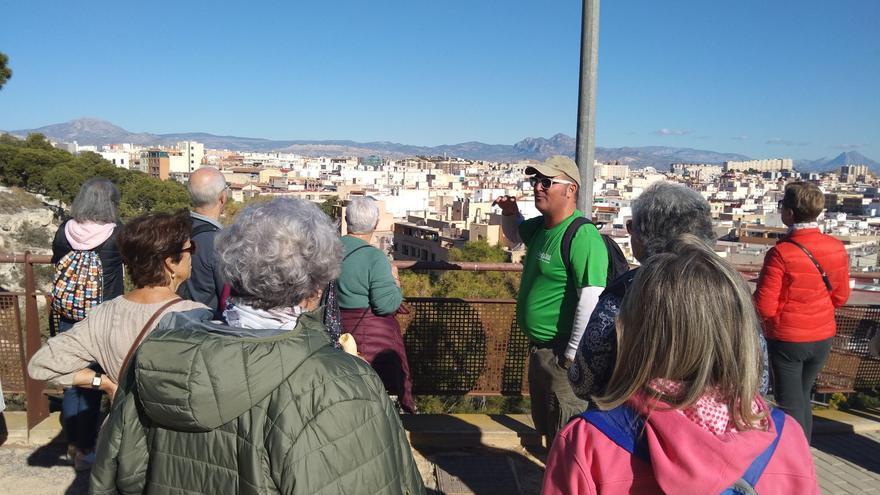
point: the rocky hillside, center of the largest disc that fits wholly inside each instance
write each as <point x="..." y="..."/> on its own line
<point x="26" y="224"/>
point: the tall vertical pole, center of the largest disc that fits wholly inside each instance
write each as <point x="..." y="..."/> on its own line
<point x="586" y="124"/>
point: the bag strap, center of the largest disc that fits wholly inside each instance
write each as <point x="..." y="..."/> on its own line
<point x="567" y="238"/>
<point x="354" y="251"/>
<point x="756" y="469"/>
<point x="623" y="426"/>
<point x="815" y="262"/>
<point x="143" y="332"/>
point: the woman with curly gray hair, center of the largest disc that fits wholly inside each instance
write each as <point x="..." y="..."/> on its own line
<point x="262" y="402"/>
<point x="661" y="216"/>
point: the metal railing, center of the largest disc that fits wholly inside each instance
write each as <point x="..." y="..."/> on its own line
<point x="454" y="346"/>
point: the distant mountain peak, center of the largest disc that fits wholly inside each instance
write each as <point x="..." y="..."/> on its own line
<point x="95" y="131"/>
<point x="834" y="164"/>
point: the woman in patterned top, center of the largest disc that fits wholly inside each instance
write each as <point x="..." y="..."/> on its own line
<point x="661" y="215"/>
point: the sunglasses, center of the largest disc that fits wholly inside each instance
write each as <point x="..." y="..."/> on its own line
<point x="191" y="249"/>
<point x="546" y="182"/>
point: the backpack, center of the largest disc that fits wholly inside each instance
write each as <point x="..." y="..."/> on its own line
<point x="79" y="284"/>
<point x="617" y="264"/>
<point x="183" y="290"/>
<point x="623" y="426"/>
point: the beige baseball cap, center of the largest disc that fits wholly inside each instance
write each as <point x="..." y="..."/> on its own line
<point x="556" y="165"/>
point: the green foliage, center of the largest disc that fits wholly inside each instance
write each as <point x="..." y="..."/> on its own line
<point x="234" y="207"/>
<point x="837" y="401"/>
<point x="416" y="284"/>
<point x="330" y="207"/>
<point x="34" y="165"/>
<point x="866" y="401"/>
<point x="478" y="251"/>
<point x="465" y="285"/>
<point x="5" y="71"/>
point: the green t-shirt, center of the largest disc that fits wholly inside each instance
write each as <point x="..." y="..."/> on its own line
<point x="546" y="301"/>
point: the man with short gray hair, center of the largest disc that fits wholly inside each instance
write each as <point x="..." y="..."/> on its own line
<point x="209" y="194"/>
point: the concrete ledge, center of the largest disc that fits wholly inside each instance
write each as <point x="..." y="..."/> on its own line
<point x="831" y="421"/>
<point x="16" y="432"/>
<point x="455" y="431"/>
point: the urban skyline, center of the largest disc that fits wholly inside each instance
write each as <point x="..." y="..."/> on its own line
<point x="761" y="80"/>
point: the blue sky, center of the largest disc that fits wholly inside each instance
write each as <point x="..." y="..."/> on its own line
<point x="762" y="78"/>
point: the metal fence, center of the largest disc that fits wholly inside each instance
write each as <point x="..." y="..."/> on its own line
<point x="454" y="346"/>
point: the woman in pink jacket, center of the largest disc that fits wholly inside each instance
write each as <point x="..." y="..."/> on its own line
<point x="682" y="413"/>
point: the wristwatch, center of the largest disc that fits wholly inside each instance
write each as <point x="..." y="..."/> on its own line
<point x="564" y="362"/>
<point x="96" y="380"/>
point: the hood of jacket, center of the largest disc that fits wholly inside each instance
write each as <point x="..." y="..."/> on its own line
<point x="196" y="375"/>
<point x="686" y="458"/>
<point x="87" y="235"/>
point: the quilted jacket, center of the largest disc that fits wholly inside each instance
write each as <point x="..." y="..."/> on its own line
<point x="206" y="408"/>
<point x="791" y="296"/>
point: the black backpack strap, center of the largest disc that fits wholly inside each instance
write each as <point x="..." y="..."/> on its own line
<point x="815" y="262"/>
<point x="565" y="246"/>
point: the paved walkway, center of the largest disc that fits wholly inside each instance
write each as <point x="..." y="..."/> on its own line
<point x="846" y="464"/>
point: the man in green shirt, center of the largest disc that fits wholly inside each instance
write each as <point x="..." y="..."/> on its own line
<point x="554" y="304"/>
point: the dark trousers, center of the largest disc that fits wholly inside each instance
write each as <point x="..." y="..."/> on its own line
<point x="795" y="367"/>
<point x="552" y="398"/>
<point x="80" y="409"/>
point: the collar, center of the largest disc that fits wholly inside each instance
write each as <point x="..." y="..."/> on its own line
<point x="801" y="226"/>
<point x="199" y="216"/>
<point x="243" y="316"/>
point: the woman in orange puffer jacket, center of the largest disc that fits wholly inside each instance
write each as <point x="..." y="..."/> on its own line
<point x="804" y="278"/>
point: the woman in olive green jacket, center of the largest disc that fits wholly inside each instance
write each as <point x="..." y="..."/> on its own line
<point x="262" y="403"/>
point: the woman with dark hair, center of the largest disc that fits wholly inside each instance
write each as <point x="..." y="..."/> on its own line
<point x="156" y="249"/>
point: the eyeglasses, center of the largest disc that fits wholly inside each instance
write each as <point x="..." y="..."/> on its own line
<point x="191" y="249"/>
<point x="546" y="182"/>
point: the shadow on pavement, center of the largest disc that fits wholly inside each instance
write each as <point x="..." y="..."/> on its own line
<point x="55" y="454"/>
<point x="481" y="470"/>
<point x="857" y="449"/>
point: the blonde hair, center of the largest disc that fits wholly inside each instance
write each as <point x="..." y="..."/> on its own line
<point x="688" y="317"/>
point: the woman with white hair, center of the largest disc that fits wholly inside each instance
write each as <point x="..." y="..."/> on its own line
<point x="369" y="297"/>
<point x="682" y="412"/>
<point x="262" y="403"/>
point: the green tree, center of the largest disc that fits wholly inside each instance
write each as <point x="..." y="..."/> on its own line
<point x="464" y="284"/>
<point x="330" y="206"/>
<point x="488" y="285"/>
<point x="234" y="207"/>
<point x="5" y="71"/>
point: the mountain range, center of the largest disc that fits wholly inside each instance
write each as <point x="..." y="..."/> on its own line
<point x="91" y="131"/>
